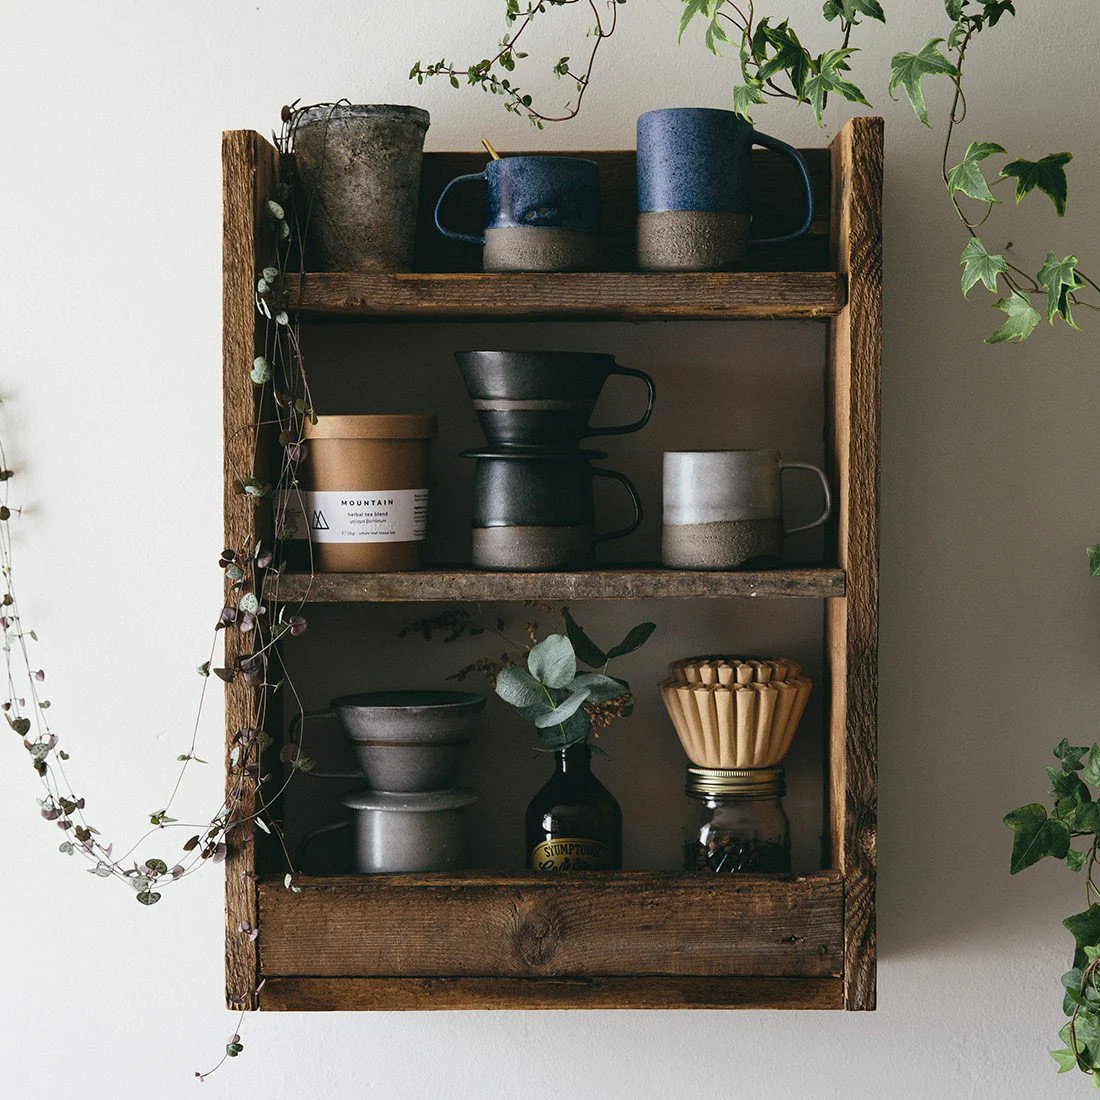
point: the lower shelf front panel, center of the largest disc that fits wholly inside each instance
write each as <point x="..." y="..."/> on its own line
<point x="625" y="939"/>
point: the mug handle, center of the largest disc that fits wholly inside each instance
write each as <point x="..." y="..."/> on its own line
<point x="824" y="484"/>
<point x="651" y="391"/>
<point x="466" y="238"/>
<point x="295" y="726"/>
<point x="768" y="142"/>
<point x="616" y="476"/>
<point x="312" y="835"/>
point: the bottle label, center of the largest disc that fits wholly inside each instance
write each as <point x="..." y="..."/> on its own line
<point x="364" y="515"/>
<point x="566" y="853"/>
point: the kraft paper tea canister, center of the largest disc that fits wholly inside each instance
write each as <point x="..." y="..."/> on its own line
<point x="364" y="507"/>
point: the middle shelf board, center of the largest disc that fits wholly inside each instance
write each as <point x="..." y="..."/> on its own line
<point x="621" y="583"/>
<point x="622" y="295"/>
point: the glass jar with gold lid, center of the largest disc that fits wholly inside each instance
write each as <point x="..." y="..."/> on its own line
<point x="741" y="825"/>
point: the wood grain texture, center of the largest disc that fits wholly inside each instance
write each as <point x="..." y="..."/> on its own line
<point x="855" y="346"/>
<point x="629" y="296"/>
<point x="530" y="925"/>
<point x="776" y="189"/>
<point x="248" y="167"/>
<point x="448" y="994"/>
<point x="641" y="583"/>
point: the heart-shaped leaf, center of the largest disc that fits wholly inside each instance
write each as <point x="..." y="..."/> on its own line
<point x="553" y="662"/>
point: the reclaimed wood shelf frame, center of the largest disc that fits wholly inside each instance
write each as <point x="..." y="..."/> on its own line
<point x="595" y="940"/>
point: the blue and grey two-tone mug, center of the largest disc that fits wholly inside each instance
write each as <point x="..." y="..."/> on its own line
<point x="695" y="190"/>
<point x="541" y="214"/>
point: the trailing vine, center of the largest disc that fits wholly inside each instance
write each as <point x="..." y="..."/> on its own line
<point x="774" y="64"/>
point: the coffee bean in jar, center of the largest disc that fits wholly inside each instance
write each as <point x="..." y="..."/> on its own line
<point x="741" y="825"/>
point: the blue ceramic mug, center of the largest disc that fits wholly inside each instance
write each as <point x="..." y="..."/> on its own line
<point x="541" y="214"/>
<point x="695" y="190"/>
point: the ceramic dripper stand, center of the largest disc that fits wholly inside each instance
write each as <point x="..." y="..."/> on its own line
<point x="409" y="746"/>
<point x="736" y="719"/>
<point x="533" y="485"/>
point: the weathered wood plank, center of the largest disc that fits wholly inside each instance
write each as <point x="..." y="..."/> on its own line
<point x="629" y="296"/>
<point x="855" y="347"/>
<point x="248" y="171"/>
<point x="776" y="190"/>
<point x="587" y="926"/>
<point x="447" y="994"/>
<point x="643" y="583"/>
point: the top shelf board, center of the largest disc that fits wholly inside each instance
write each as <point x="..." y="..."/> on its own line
<point x="627" y="296"/>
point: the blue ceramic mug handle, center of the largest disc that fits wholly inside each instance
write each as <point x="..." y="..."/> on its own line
<point x="638" y="425"/>
<point x="824" y="485"/>
<point x="466" y="238"/>
<point x="295" y="729"/>
<point x="768" y="142"/>
<point x="633" y="526"/>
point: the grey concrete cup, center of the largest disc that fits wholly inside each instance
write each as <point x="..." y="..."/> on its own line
<point x="724" y="509"/>
<point x="405" y="741"/>
<point x="403" y="832"/>
<point x="359" y="173"/>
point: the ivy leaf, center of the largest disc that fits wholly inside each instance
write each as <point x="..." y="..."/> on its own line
<point x="992" y="11"/>
<point x="954" y="9"/>
<point x="1036" y="836"/>
<point x="1085" y="929"/>
<point x="1094" y="560"/>
<point x="518" y="687"/>
<point x="1091" y="774"/>
<point x="789" y="57"/>
<point x="980" y="266"/>
<point x="585" y="649"/>
<point x="908" y="70"/>
<point x="1048" y="175"/>
<point x="745" y="97"/>
<point x="1021" y="322"/>
<point x="634" y="639"/>
<point x="1070" y="755"/>
<point x="552" y="662"/>
<point x="967" y="176"/>
<point x="825" y="77"/>
<point x="849" y="9"/>
<point x="1059" y="279"/>
<point x="1065" y="1058"/>
<point x="1075" y="860"/>
<point x="692" y="8"/>
<point x="563" y="710"/>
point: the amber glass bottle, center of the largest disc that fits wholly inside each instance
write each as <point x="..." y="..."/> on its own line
<point x="573" y="823"/>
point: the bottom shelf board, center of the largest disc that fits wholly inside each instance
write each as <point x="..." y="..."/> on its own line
<point x="450" y="994"/>
<point x="641" y="582"/>
<point x="596" y="939"/>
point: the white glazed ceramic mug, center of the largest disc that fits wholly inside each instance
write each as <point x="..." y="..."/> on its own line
<point x="723" y="509"/>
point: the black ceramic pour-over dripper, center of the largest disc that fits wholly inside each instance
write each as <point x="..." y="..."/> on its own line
<point x="543" y="399"/>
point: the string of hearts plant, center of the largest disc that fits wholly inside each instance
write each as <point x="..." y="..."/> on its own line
<point x="253" y="608"/>
<point x="774" y="64"/>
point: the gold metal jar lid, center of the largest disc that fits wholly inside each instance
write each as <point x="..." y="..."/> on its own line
<point x="736" y="782"/>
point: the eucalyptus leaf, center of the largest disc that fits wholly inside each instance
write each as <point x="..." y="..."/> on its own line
<point x="564" y="710"/>
<point x="635" y="639"/>
<point x="601" y="687"/>
<point x="518" y="687"/>
<point x="574" y="730"/>
<point x="585" y="649"/>
<point x="552" y="662"/>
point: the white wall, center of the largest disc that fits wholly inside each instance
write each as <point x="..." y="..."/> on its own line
<point x="109" y="368"/>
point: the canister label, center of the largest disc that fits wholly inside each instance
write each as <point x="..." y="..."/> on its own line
<point x="571" y="854"/>
<point x="358" y="516"/>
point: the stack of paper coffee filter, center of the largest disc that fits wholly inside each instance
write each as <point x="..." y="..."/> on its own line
<point x="733" y="712"/>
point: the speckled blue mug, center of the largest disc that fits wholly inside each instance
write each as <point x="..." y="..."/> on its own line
<point x="541" y="214"/>
<point x="695" y="190"/>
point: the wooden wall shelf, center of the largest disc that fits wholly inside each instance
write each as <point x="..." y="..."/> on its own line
<point x="604" y="296"/>
<point x="613" y="940"/>
<point x="626" y="583"/>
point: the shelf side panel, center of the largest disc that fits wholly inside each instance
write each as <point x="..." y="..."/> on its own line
<point x="248" y="174"/>
<point x="852" y="624"/>
<point x="449" y="994"/>
<point x="583" y="926"/>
